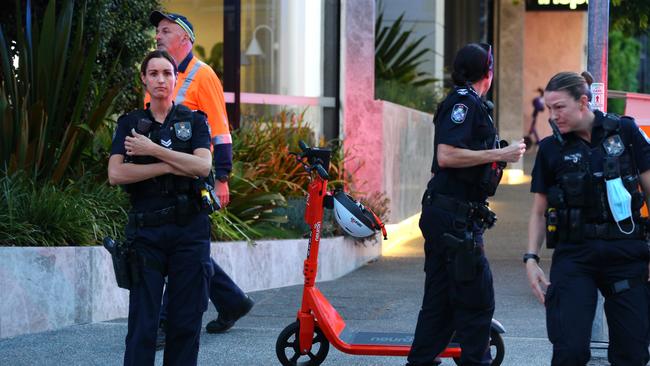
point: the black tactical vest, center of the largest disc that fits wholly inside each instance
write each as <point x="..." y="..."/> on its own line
<point x="175" y="134"/>
<point x="580" y="194"/>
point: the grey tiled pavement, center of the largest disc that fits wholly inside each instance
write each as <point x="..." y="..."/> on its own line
<point x="384" y="295"/>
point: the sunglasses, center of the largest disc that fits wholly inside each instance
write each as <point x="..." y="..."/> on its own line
<point x="490" y="59"/>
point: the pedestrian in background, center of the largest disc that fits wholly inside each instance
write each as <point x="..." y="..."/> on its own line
<point x="199" y="88"/>
<point x="458" y="290"/>
<point x="538" y="106"/>
<point x="160" y="155"/>
<point x="587" y="205"/>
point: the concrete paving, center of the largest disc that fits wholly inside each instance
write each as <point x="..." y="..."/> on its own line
<point x="383" y="296"/>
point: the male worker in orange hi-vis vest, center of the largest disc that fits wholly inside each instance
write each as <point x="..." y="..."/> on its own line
<point x="199" y="88"/>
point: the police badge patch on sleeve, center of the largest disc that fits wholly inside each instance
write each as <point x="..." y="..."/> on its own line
<point x="459" y="113"/>
<point x="183" y="130"/>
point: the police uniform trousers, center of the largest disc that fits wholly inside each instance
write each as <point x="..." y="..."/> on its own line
<point x="225" y="295"/>
<point x="183" y="254"/>
<point x="578" y="271"/>
<point x="449" y="306"/>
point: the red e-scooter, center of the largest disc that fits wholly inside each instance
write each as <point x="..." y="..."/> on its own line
<point x="305" y="342"/>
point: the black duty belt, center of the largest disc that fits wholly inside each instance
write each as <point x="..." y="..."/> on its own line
<point x="446" y="203"/>
<point x="163" y="216"/>
<point x="609" y="231"/>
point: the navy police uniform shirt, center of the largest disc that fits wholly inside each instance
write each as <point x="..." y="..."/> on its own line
<point x="200" y="130"/>
<point x="462" y="120"/>
<point x="548" y="161"/>
<point x="200" y="138"/>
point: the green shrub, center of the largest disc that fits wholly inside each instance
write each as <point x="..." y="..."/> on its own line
<point x="624" y="56"/>
<point x="126" y="36"/>
<point x="49" y="107"/>
<point x="423" y="99"/>
<point x="79" y="213"/>
<point x="395" y="53"/>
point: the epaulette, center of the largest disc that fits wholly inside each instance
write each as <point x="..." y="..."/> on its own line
<point x="611" y="122"/>
<point x="133" y="112"/>
<point x="200" y="112"/>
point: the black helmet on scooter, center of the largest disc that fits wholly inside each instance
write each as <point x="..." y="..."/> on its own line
<point x="354" y="218"/>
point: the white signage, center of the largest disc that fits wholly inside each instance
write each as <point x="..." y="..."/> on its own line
<point x="598" y="96"/>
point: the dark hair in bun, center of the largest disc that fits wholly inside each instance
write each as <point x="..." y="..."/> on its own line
<point x="472" y="63"/>
<point x="573" y="83"/>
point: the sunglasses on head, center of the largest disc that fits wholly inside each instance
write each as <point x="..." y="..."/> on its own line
<point x="490" y="59"/>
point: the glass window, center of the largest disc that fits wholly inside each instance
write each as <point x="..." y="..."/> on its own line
<point x="206" y="17"/>
<point x="284" y="53"/>
<point x="282" y="46"/>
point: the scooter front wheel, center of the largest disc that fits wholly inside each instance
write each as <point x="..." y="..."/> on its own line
<point x="497" y="349"/>
<point x="287" y="347"/>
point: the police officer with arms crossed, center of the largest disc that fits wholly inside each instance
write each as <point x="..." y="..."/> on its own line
<point x="586" y="204"/>
<point x="467" y="167"/>
<point x="160" y="155"/>
<point x="199" y="88"/>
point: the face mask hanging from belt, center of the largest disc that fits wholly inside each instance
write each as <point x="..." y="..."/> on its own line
<point x="619" y="199"/>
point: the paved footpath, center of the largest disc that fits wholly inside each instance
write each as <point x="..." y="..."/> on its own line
<point x="383" y="296"/>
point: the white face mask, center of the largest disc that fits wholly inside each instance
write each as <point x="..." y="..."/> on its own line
<point x="620" y="202"/>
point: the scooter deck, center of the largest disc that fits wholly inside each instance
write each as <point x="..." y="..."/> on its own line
<point x="380" y="338"/>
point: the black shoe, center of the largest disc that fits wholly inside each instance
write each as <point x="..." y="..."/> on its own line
<point x="161" y="336"/>
<point x="226" y="321"/>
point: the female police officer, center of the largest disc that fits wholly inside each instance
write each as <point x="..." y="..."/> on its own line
<point x="158" y="154"/>
<point x="585" y="181"/>
<point x="458" y="292"/>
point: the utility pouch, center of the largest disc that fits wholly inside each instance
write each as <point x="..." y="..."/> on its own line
<point x="552" y="223"/>
<point x="490" y="177"/>
<point x="182" y="210"/>
<point x="576" y="225"/>
<point x="601" y="212"/>
<point x="574" y="185"/>
<point x="562" y="224"/>
<point x="631" y="183"/>
<point x="464" y="256"/>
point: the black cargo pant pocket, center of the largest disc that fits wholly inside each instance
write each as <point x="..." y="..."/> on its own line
<point x="477" y="293"/>
<point x="553" y="315"/>
<point x="206" y="274"/>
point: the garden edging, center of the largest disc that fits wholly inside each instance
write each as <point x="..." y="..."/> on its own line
<point x="46" y="288"/>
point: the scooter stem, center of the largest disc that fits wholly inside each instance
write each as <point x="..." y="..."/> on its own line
<point x="314" y="218"/>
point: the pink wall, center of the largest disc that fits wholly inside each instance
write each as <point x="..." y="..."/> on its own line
<point x="554" y="41"/>
<point x="362" y="125"/>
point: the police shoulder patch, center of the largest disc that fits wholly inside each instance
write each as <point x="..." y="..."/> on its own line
<point x="458" y="113"/>
<point x="183" y="130"/>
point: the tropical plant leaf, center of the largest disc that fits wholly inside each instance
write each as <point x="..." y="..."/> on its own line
<point x="396" y="56"/>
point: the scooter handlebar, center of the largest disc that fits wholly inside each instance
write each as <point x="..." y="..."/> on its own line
<point x="321" y="171"/>
<point x="303" y="146"/>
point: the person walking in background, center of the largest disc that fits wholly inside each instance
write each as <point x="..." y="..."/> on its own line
<point x="538" y="106"/>
<point x="587" y="205"/>
<point x="199" y="88"/>
<point x="157" y="154"/>
<point x="458" y="289"/>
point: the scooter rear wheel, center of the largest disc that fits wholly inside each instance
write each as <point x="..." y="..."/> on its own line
<point x="497" y="348"/>
<point x="288" y="350"/>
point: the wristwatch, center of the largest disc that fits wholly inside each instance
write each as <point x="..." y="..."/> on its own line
<point x="528" y="256"/>
<point x="223" y="178"/>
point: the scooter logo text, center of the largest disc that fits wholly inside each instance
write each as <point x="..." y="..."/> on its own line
<point x="317" y="227"/>
<point x="355" y="221"/>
